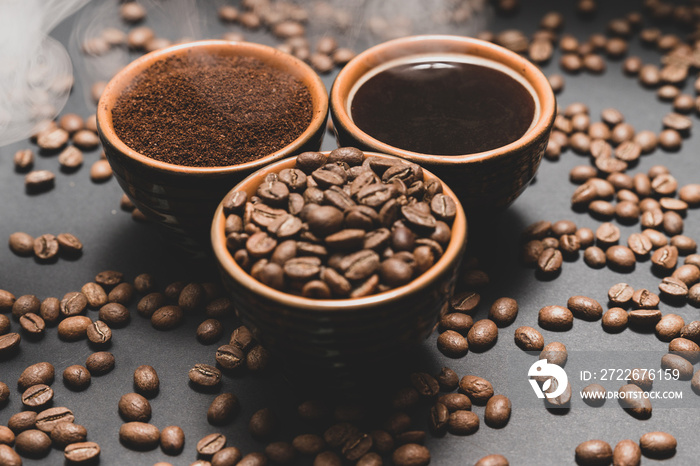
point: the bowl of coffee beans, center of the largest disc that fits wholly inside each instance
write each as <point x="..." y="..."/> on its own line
<point x="181" y="125"/>
<point x="475" y="114"/>
<point x="340" y="260"/>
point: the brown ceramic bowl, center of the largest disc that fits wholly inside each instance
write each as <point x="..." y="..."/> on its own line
<point x="484" y="181"/>
<point x="338" y="340"/>
<point x="182" y="199"/>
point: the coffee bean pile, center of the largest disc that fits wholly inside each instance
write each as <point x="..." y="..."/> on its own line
<point x="340" y="225"/>
<point x="46" y="247"/>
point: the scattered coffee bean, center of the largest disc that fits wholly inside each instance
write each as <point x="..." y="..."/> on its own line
<point x="50" y="418"/>
<point x="134" y="407"/>
<point x="594" y="452"/>
<point x="32" y="443"/>
<point x="503" y="311"/>
<point x="633" y="402"/>
<point x="21" y="244"/>
<point x="139" y="435"/>
<point x="482" y="335"/>
<point x="452" y="344"/>
<point x="37" y="396"/>
<point x="615" y="320"/>
<point x="82" y="452"/>
<point x="205" y="376"/>
<point x="497" y="413"/>
<point x="76" y="377"/>
<point x="555" y="318"/>
<point x="209" y="331"/>
<point x="529" y="339"/>
<point x="100" y="363"/>
<point x="146" y="381"/>
<point x="172" y="440"/>
<point x="585" y="308"/>
<point x="167" y="318"/>
<point x="66" y="433"/>
<point x="658" y="445"/>
<point x="263" y="424"/>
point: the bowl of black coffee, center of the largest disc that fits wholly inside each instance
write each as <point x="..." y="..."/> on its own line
<point x="181" y="125"/>
<point x="474" y="113"/>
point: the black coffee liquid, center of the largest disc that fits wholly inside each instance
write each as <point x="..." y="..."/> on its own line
<point x="443" y="107"/>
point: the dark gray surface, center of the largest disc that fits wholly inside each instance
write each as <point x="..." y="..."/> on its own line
<point x="113" y="241"/>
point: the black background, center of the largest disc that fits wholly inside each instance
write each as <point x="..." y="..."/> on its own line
<point x="113" y="241"/>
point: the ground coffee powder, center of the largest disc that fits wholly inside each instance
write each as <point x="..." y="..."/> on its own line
<point x="209" y="110"/>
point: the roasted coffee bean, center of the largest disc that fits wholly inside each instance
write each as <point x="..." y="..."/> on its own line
<point x="82" y="452"/>
<point x="209" y="331"/>
<point x="21" y="244"/>
<point x="620" y="257"/>
<point x="139" y="435"/>
<point x="479" y="390"/>
<point x="497" y="413"/>
<point x="146" y="381"/>
<point x="627" y="452"/>
<point x="211" y="444"/>
<point x="73" y="304"/>
<point x="122" y="294"/>
<point x="41" y="373"/>
<point x="46" y="247"/>
<point x="463" y="423"/>
<point x="24" y="160"/>
<point x="555" y="353"/>
<point x="257" y="359"/>
<point x="594" y="257"/>
<point x="223" y="409"/>
<point x="673" y="288"/>
<point x="144" y="283"/>
<point x="556" y="318"/>
<point x="22" y="421"/>
<point x="263" y="424"/>
<point x="686" y="348"/>
<point x="425" y="384"/>
<point x="32" y="324"/>
<point x="620" y="293"/>
<point x="493" y="460"/>
<point x="615" y="319"/>
<point x="33" y="443"/>
<point x="669" y="327"/>
<point x="684" y="244"/>
<point x="109" y="278"/>
<point x="9" y="343"/>
<point x="100" y="363"/>
<point x="594" y="452"/>
<point x="411" y="454"/>
<point x="115" y="314"/>
<point x="439" y="416"/>
<point x="640" y="244"/>
<point x="687" y="273"/>
<point x="9" y="457"/>
<point x="5" y="324"/>
<point x="482" y="335"/>
<point x="644" y="318"/>
<point x="658" y="445"/>
<point x="550" y="261"/>
<point x="99" y="333"/>
<point x="95" y="295"/>
<point x="645" y="299"/>
<point x="24" y="305"/>
<point x="678" y="364"/>
<point x="585" y="308"/>
<point x="281" y="452"/>
<point x="665" y="258"/>
<point x="76" y="377"/>
<point x="149" y="304"/>
<point x="172" y="440"/>
<point x="308" y="444"/>
<point x="66" y="433"/>
<point x="49" y="418"/>
<point x="528" y="339"/>
<point x="37" y="396"/>
<point x="167" y="317"/>
<point x="134" y="407"/>
<point x="452" y="344"/>
<point x="633" y="402"/>
<point x="74" y="328"/>
<point x="503" y="311"/>
<point x="205" y="376"/>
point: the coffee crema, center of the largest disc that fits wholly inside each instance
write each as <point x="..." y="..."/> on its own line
<point x="447" y="105"/>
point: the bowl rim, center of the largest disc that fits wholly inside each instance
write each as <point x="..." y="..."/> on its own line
<point x="411" y="46"/>
<point x="313" y="82"/>
<point x="453" y="253"/>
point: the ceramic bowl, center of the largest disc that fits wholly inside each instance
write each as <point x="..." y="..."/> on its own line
<point x="338" y="340"/>
<point x="182" y="199"/>
<point x="485" y="181"/>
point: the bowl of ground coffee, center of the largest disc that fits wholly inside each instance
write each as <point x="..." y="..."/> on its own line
<point x="340" y="261"/>
<point x="475" y="114"/>
<point x="181" y="125"/>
